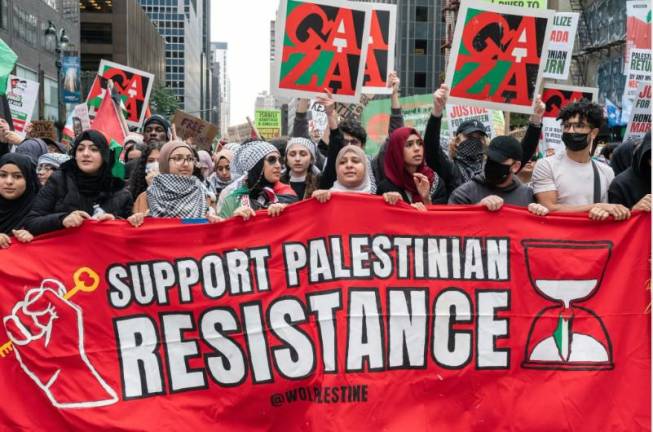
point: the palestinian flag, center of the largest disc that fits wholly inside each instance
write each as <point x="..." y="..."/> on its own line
<point x="7" y="62"/>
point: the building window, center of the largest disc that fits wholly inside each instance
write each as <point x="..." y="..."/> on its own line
<point x="420" y="46"/>
<point x="96" y="33"/>
<point x="420" y="79"/>
<point x="25" y="26"/>
<point x="50" y="111"/>
<point x="421" y="14"/>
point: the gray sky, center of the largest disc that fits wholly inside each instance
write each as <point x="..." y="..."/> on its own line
<point x="245" y="26"/>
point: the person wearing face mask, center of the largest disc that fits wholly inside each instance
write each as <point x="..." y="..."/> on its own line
<point x="83" y="188"/>
<point x="499" y="184"/>
<point x="146" y="169"/>
<point x="18" y="188"/>
<point x="301" y="173"/>
<point x="260" y="186"/>
<point x="632" y="188"/>
<point x="571" y="181"/>
<point x="466" y="150"/>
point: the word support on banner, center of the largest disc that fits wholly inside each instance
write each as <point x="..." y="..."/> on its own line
<point x="498" y="56"/>
<point x="561" y="45"/>
<point x="21" y="97"/>
<point x="380" y="58"/>
<point x="305" y="325"/>
<point x="321" y="44"/>
<point x="640" y="117"/>
<point x="556" y="97"/>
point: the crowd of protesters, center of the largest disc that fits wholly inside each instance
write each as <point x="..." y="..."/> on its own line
<point x="44" y="188"/>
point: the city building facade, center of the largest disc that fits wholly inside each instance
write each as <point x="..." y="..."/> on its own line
<point x="221" y="89"/>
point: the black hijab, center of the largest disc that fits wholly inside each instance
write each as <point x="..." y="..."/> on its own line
<point x="101" y="182"/>
<point x="12" y="212"/>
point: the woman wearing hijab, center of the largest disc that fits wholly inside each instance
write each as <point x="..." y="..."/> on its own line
<point x="18" y="188"/>
<point x="260" y="186"/>
<point x="351" y="174"/>
<point x="221" y="176"/>
<point x="83" y="188"/>
<point x="301" y="173"/>
<point x="175" y="192"/>
<point x="32" y="147"/>
<point x="407" y="176"/>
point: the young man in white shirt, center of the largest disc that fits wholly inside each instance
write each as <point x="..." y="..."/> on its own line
<point x="571" y="181"/>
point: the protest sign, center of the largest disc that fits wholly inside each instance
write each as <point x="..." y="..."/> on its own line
<point x="318" y="119"/>
<point x="640" y="116"/>
<point x="43" y="129"/>
<point x="380" y="60"/>
<point x="494" y="123"/>
<point x="416" y="111"/>
<point x="353" y="111"/>
<point x="78" y="121"/>
<point x="133" y="85"/>
<point x="21" y="97"/>
<point x="268" y="123"/>
<point x="454" y="319"/>
<point x="70" y="70"/>
<point x="497" y="56"/>
<point x="556" y="97"/>
<point x="638" y="26"/>
<point x="321" y="44"/>
<point x="193" y="128"/>
<point x="240" y="132"/>
<point x="561" y="45"/>
<point x="536" y="4"/>
<point x="639" y="69"/>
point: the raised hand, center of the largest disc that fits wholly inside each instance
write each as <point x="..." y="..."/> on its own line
<point x="440" y="97"/>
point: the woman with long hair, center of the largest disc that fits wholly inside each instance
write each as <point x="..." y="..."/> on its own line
<point x="301" y="173"/>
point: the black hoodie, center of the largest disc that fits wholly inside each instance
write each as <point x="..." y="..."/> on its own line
<point x="633" y="184"/>
<point x="473" y="191"/>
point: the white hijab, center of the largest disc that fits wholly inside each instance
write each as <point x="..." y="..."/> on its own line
<point x="365" y="186"/>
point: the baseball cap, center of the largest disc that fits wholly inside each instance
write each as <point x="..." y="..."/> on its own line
<point x="469" y="126"/>
<point x="503" y="148"/>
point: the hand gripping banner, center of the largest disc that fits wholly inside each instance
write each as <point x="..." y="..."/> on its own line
<point x="350" y="315"/>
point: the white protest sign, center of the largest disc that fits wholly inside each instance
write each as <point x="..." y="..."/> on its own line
<point x="561" y="45"/>
<point x="21" y="96"/>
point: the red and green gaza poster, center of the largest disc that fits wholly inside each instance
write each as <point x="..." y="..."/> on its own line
<point x="380" y="50"/>
<point x="133" y="85"/>
<point x="322" y="44"/>
<point x="454" y="319"/>
<point x="497" y="56"/>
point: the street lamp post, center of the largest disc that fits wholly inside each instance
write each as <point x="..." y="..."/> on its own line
<point x="61" y="40"/>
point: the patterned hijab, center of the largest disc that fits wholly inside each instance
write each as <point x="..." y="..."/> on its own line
<point x="177" y="196"/>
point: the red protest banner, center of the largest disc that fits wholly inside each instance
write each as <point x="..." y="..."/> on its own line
<point x="321" y="44"/>
<point x="389" y="319"/>
<point x="497" y="56"/>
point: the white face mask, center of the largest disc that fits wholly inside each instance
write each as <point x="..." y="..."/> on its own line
<point x="152" y="166"/>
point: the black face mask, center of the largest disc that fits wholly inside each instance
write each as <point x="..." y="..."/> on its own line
<point x="495" y="172"/>
<point x="575" y="141"/>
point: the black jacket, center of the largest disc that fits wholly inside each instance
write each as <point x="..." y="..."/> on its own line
<point x="631" y="185"/>
<point x="622" y="157"/>
<point x="60" y="196"/>
<point x="477" y="188"/>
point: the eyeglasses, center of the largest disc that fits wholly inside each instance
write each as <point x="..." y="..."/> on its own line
<point x="272" y="159"/>
<point x="574" y="125"/>
<point x="181" y="159"/>
<point x="351" y="141"/>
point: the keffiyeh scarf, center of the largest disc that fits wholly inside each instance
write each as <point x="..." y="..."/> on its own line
<point x="177" y="196"/>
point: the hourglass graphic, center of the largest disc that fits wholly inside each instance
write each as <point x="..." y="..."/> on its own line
<point x="567" y="336"/>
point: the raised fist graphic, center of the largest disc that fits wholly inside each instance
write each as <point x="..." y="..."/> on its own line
<point x="48" y="336"/>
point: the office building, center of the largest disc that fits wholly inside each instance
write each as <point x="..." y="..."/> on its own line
<point x="221" y="90"/>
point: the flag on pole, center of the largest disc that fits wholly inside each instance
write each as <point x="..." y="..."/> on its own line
<point x="7" y="62"/>
<point x="108" y="121"/>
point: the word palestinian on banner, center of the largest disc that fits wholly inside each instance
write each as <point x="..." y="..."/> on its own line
<point x="133" y="85"/>
<point x="556" y="97"/>
<point x="493" y="120"/>
<point x="640" y="116"/>
<point x="536" y="4"/>
<point x="201" y="132"/>
<point x="43" y="129"/>
<point x="498" y="56"/>
<point x="268" y="123"/>
<point x="638" y="26"/>
<point x="561" y="45"/>
<point x="21" y="97"/>
<point x="321" y="44"/>
<point x="416" y="111"/>
<point x="308" y="326"/>
<point x="380" y="60"/>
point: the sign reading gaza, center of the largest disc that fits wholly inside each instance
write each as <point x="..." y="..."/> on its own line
<point x="329" y="313"/>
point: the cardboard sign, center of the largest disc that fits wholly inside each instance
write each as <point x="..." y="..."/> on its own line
<point x="43" y="129"/>
<point x="21" y="97"/>
<point x="321" y="44"/>
<point x="133" y="85"/>
<point x="201" y="132"/>
<point x="561" y="45"/>
<point x="240" y="132"/>
<point x="380" y="59"/>
<point x="268" y="123"/>
<point x="497" y="56"/>
<point x="640" y="117"/>
<point x="556" y="97"/>
<point x="457" y="114"/>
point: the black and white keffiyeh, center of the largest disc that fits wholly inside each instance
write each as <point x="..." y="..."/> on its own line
<point x="469" y="158"/>
<point x="177" y="196"/>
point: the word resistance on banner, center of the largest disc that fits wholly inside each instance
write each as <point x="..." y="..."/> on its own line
<point x="407" y="329"/>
